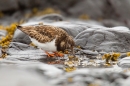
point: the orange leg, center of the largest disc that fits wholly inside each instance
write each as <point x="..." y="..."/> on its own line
<point x="59" y="54"/>
<point x="50" y="55"/>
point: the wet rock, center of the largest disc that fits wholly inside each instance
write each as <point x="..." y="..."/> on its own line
<point x="89" y="52"/>
<point x="125" y="82"/>
<point x="103" y="38"/>
<point x="124" y="62"/>
<point x="123" y="55"/>
<point x="83" y="76"/>
<point x="83" y="7"/>
<point x="20" y="51"/>
<point x="16" y="76"/>
<point x="114" y="76"/>
<point x="93" y="76"/>
<point x="89" y="79"/>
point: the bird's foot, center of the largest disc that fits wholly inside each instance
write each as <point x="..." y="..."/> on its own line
<point x="55" y="54"/>
<point x="50" y="54"/>
<point x="59" y="54"/>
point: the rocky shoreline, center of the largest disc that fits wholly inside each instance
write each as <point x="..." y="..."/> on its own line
<point x="89" y="69"/>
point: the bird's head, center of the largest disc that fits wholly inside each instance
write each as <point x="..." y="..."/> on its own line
<point x="68" y="43"/>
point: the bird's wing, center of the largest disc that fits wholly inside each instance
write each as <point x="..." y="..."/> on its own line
<point x="44" y="33"/>
<point x="41" y="35"/>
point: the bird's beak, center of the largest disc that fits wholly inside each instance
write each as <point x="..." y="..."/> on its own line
<point x="19" y="27"/>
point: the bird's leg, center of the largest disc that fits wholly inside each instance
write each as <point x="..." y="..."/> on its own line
<point x="50" y="55"/>
<point x="59" y="54"/>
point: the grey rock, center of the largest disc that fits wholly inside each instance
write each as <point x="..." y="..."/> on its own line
<point x="18" y="15"/>
<point x="7" y="20"/>
<point x="89" y="79"/>
<point x="125" y="82"/>
<point x="78" y="78"/>
<point x="114" y="76"/>
<point x="6" y="5"/>
<point x="111" y="23"/>
<point x="20" y="51"/>
<point x="20" y="46"/>
<point x="21" y="37"/>
<point x="29" y="3"/>
<point x="50" y="18"/>
<point x="123" y="55"/>
<point x="90" y="52"/>
<point x="90" y="7"/>
<point x="124" y="62"/>
<point x="119" y="6"/>
<point x="106" y="39"/>
<point x="45" y="70"/>
<point x="16" y="77"/>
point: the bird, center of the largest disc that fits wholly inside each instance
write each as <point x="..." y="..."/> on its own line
<point x="49" y="38"/>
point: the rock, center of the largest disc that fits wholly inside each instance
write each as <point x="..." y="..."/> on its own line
<point x="125" y="82"/>
<point x="111" y="23"/>
<point x="89" y="79"/>
<point x="124" y="62"/>
<point x="89" y="52"/>
<point x="51" y="75"/>
<point x="6" y="5"/>
<point x="7" y="20"/>
<point x="45" y="70"/>
<point x="29" y="3"/>
<point x="123" y="55"/>
<point x="107" y="39"/>
<point x="18" y="15"/>
<point x="92" y="8"/>
<point x="114" y="76"/>
<point x="48" y="18"/>
<point x="16" y="76"/>
<point x="20" y="51"/>
<point x="21" y="37"/>
<point x="119" y="6"/>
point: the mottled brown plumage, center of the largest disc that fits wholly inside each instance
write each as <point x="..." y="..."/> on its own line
<point x="47" y="33"/>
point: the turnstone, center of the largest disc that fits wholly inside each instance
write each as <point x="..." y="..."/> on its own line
<point x="49" y="38"/>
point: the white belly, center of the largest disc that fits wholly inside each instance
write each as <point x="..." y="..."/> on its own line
<point x="48" y="46"/>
